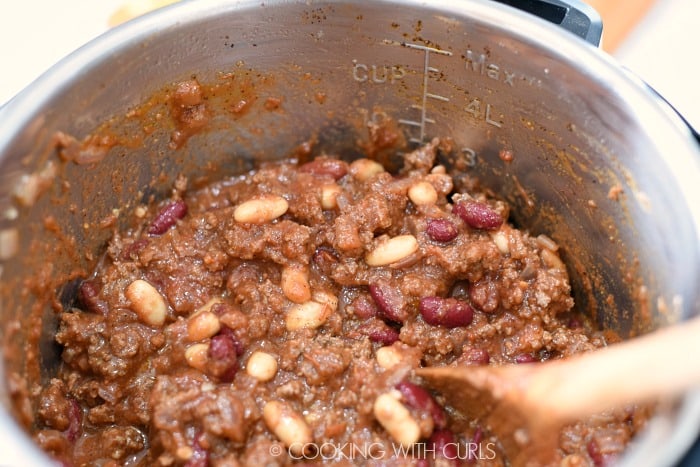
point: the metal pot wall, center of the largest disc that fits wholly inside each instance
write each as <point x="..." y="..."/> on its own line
<point x="599" y="162"/>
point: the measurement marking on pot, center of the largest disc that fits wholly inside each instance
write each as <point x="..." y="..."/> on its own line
<point x="478" y="63"/>
<point x="425" y="94"/>
<point x="378" y="74"/>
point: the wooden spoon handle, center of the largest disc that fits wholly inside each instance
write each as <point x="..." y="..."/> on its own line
<point x="662" y="363"/>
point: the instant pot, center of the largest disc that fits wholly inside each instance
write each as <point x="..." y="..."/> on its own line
<point x="597" y="160"/>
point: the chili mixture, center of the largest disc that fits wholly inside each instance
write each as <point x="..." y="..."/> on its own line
<point x="276" y="318"/>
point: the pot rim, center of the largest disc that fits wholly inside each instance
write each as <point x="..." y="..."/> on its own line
<point x="676" y="433"/>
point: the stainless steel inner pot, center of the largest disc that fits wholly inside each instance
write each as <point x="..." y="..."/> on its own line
<point x="600" y="163"/>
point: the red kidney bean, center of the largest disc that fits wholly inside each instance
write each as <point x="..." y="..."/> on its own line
<point x="600" y="459"/>
<point x="444" y="444"/>
<point x="447" y="312"/>
<point x="237" y="344"/>
<point x="75" y="415"/>
<point x="420" y="399"/>
<point x="477" y="215"/>
<point x="200" y="456"/>
<point x="378" y="331"/>
<point x="363" y="307"/>
<point x="222" y="346"/>
<point x="474" y="448"/>
<point x="574" y="323"/>
<point x="474" y="356"/>
<point x="89" y="297"/>
<point x="441" y="230"/>
<point x="131" y="251"/>
<point x="167" y="217"/>
<point x="478" y="435"/>
<point x="386" y="336"/>
<point x="391" y="302"/>
<point x="223" y="357"/>
<point x="525" y="358"/>
<point x="331" y="167"/>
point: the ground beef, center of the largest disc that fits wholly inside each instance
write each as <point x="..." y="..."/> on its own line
<point x="277" y="317"/>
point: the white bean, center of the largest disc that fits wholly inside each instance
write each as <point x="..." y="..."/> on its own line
<point x="147" y="302"/>
<point x="546" y="242"/>
<point x="202" y="326"/>
<point x="392" y="250"/>
<point x="9" y="243"/>
<point x="364" y="169"/>
<point x="289" y="426"/>
<point x="184" y="453"/>
<point x="422" y="194"/>
<point x="329" y="196"/>
<point x="295" y="283"/>
<point x="196" y="356"/>
<point x="501" y="241"/>
<point x="396" y="418"/>
<point x="388" y="357"/>
<point x="308" y="315"/>
<point x="261" y="210"/>
<point x="261" y="366"/>
<point x="327" y="298"/>
<point x="552" y="260"/>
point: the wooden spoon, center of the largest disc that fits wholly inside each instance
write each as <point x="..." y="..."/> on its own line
<point x="526" y="405"/>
